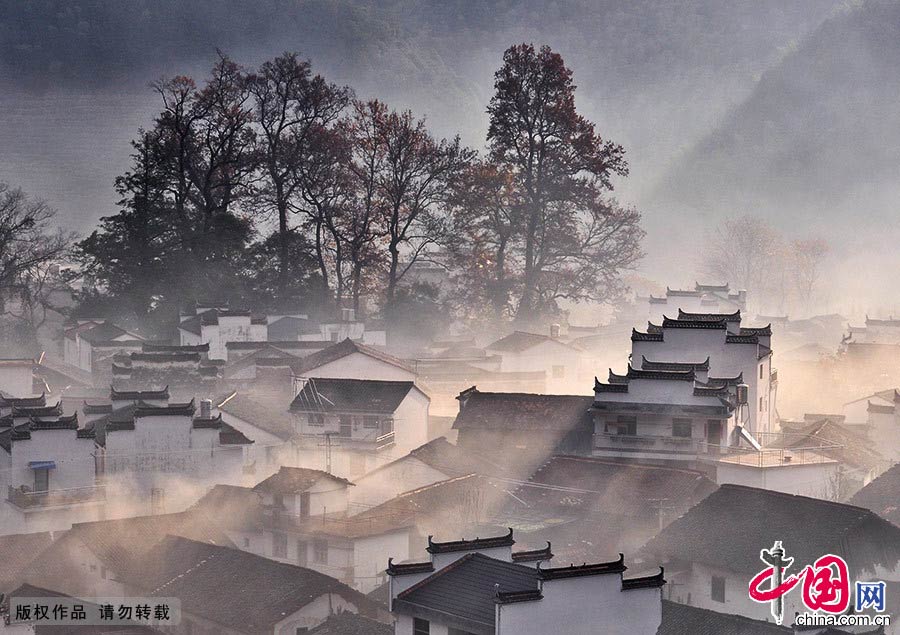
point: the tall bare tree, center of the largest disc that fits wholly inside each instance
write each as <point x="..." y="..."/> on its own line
<point x="561" y="167"/>
<point x="486" y="219"/>
<point x="746" y="252"/>
<point x="29" y="247"/>
<point x="364" y="221"/>
<point x="416" y="181"/>
<point x="290" y="105"/>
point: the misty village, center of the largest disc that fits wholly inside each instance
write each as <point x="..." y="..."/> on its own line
<point x="354" y="317"/>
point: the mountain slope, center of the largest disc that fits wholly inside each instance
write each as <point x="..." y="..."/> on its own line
<point x="817" y="143"/>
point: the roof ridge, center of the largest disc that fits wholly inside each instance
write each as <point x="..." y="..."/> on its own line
<point x="432" y="486"/>
<point x="605" y="461"/>
<point x="795" y="496"/>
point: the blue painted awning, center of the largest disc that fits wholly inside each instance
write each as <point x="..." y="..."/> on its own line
<point x="42" y="465"/>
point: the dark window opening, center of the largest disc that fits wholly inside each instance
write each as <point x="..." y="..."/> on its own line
<point x="717" y="591"/>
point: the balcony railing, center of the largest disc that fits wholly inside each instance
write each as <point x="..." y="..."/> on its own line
<point x="385" y="440"/>
<point x="638" y="442"/>
<point x="24" y="499"/>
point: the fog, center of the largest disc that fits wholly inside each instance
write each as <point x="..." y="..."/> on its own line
<point x="459" y="320"/>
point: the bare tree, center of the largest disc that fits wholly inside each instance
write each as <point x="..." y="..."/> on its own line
<point x="745" y="252"/>
<point x="560" y="162"/>
<point x="486" y="218"/>
<point x="416" y="180"/>
<point x="364" y="221"/>
<point x="29" y="247"/>
<point x="807" y="256"/>
<point x="290" y="104"/>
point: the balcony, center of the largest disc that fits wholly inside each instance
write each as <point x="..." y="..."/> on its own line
<point x="384" y="441"/>
<point x="28" y="500"/>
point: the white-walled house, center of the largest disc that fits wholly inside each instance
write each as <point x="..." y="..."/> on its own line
<point x="47" y="475"/>
<point x="91" y="345"/>
<point x="663" y="415"/>
<point x="218" y="326"/>
<point x="733" y="351"/>
<point x="479" y="586"/>
<point x="349" y="549"/>
<point x="164" y="456"/>
<point x="370" y="333"/>
<point x="713" y="551"/>
<point x="366" y="420"/>
<point x="564" y="365"/>
<point x="350" y="360"/>
<point x="303" y="492"/>
<point x="703" y="298"/>
<point x="222" y="589"/>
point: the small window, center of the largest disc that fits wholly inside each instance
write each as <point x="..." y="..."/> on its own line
<point x="559" y="372"/>
<point x="421" y="627"/>
<point x="315" y="419"/>
<point x="320" y="551"/>
<point x="371" y="422"/>
<point x="717" y="592"/>
<point x="246" y="543"/>
<point x="761" y="371"/>
<point x="346" y="426"/>
<point x="301" y="630"/>
<point x="761" y="404"/>
<point x="682" y="428"/>
<point x="279" y="546"/>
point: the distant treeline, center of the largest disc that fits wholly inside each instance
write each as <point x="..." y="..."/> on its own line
<point x="272" y="185"/>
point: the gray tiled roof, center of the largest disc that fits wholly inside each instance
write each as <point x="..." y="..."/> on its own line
<point x="351" y="395"/>
<point x="680" y="619"/>
<point x="351" y="624"/>
<point x="466" y="589"/>
<point x="730" y="526"/>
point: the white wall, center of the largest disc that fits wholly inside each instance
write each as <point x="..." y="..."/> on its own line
<point x="362" y="366"/>
<point x="74" y="459"/>
<point x="370" y="556"/>
<point x="726" y="360"/>
<point x="816" y="480"/>
<point x="314" y="613"/>
<point x="584" y="606"/>
<point x="166" y="452"/>
<point x="411" y="422"/>
<point x="565" y="367"/>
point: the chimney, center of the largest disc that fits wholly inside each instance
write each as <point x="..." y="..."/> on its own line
<point x="554" y="331"/>
<point x="205" y="409"/>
